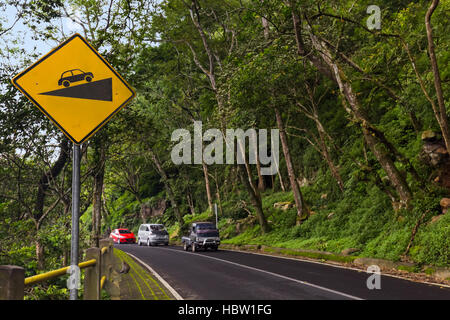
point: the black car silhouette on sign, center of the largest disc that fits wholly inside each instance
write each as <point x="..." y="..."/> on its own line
<point x="75" y="75"/>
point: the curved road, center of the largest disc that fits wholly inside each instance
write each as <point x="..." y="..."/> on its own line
<point x="224" y="275"/>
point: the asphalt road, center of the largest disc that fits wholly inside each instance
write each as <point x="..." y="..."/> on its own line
<point x="225" y="275"/>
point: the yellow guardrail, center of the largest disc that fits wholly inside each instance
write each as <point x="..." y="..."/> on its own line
<point x="102" y="282"/>
<point x="99" y="268"/>
<point x="56" y="273"/>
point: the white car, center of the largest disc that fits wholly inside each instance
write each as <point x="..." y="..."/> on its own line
<point x="152" y="234"/>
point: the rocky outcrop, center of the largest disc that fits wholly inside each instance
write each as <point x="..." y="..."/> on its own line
<point x="435" y="155"/>
<point x="445" y="205"/>
<point x="155" y="210"/>
<point x="349" y="251"/>
<point x="283" y="205"/>
<point x="382" y="263"/>
<point x="436" y="219"/>
<point x="434" y="148"/>
<point x="244" y="224"/>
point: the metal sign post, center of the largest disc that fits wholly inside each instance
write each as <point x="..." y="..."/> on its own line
<point x="215" y="209"/>
<point x="75" y="214"/>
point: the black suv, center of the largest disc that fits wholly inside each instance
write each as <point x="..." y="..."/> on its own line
<point x="202" y="235"/>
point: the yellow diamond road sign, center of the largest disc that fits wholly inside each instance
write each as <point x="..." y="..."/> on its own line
<point x="75" y="87"/>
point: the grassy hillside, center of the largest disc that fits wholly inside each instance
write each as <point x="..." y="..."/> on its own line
<point x="367" y="223"/>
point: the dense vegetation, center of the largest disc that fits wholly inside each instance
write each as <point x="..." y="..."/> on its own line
<point x="358" y="111"/>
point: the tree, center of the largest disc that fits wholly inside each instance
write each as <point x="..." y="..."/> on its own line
<point x="441" y="112"/>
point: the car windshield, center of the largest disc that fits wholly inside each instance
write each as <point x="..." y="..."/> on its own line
<point x="205" y="226"/>
<point x="124" y="231"/>
<point x="157" y="227"/>
<point x="209" y="233"/>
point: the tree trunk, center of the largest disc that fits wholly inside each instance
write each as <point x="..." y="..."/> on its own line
<point x="190" y="203"/>
<point x="97" y="205"/>
<point x="265" y="25"/>
<point x="99" y="173"/>
<point x="142" y="207"/>
<point x="39" y="254"/>
<point x="248" y="169"/>
<point x="207" y="186"/>
<point x="219" y="199"/>
<point x="321" y="141"/>
<point x="166" y="182"/>
<point x="384" y="158"/>
<point x="66" y="257"/>
<point x="255" y="196"/>
<point x="261" y="183"/>
<point x="326" y="155"/>
<point x="301" y="208"/>
<point x="330" y="68"/>
<point x="44" y="183"/>
<point x="48" y="176"/>
<point x="441" y="113"/>
<point x="280" y="177"/>
<point x="255" y="199"/>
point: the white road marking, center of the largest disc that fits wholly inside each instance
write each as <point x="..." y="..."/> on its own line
<point x="338" y="266"/>
<point x="164" y="282"/>
<point x="272" y="274"/>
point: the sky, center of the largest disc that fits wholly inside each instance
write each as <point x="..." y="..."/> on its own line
<point x="23" y="34"/>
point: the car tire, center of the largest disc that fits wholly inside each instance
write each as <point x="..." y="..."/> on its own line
<point x="88" y="78"/>
<point x="193" y="247"/>
<point x="66" y="83"/>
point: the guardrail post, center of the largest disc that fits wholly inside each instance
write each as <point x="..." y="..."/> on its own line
<point x="92" y="275"/>
<point x="12" y="282"/>
<point x="107" y="258"/>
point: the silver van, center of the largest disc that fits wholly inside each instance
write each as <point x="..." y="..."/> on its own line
<point x="152" y="234"/>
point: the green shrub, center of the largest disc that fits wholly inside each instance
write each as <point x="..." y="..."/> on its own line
<point x="432" y="243"/>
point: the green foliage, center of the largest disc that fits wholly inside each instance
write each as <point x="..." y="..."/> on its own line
<point x="228" y="71"/>
<point x="51" y="292"/>
<point x="432" y="244"/>
<point x="205" y="216"/>
<point x="364" y="221"/>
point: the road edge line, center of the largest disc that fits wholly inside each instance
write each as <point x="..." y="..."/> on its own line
<point x="164" y="282"/>
<point x="276" y="275"/>
<point x="339" y="266"/>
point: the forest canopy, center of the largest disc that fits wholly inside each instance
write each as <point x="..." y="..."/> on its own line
<point x="360" y="105"/>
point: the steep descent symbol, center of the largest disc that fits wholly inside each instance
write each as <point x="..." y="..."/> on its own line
<point x="96" y="90"/>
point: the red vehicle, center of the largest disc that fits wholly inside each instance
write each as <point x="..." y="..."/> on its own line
<point x="122" y="235"/>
